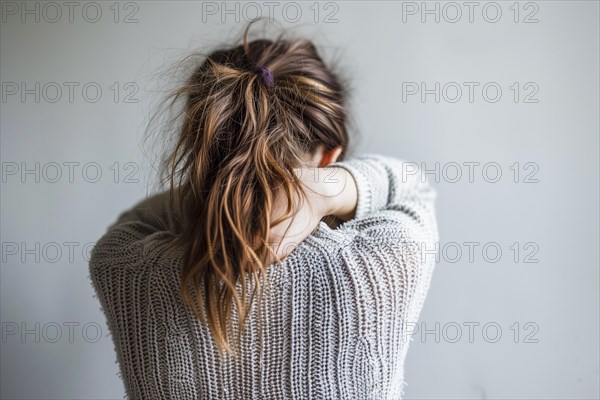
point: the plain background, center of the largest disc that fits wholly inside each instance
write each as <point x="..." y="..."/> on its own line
<point x="540" y="317"/>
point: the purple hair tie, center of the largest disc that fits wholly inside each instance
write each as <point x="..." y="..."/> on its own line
<point x="266" y="75"/>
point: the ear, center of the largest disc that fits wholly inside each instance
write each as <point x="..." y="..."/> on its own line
<point x="330" y="156"/>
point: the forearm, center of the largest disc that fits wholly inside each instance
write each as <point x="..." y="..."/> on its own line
<point x="387" y="183"/>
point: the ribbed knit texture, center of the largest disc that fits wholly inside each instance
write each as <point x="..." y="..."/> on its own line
<point x="336" y="315"/>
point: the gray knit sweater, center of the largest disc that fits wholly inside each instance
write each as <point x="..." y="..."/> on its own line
<point x="336" y="315"/>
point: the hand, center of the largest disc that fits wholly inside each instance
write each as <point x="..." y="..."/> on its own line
<point x="306" y="215"/>
<point x="329" y="191"/>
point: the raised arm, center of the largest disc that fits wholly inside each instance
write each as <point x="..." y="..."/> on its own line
<point x="394" y="189"/>
<point x="394" y="225"/>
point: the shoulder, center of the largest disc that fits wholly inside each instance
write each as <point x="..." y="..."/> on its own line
<point x="125" y="245"/>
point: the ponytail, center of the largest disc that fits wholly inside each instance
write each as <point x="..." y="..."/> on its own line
<point x="251" y="116"/>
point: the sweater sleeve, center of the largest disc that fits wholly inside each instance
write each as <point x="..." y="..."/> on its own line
<point x="122" y="268"/>
<point x="395" y="220"/>
<point x="388" y="184"/>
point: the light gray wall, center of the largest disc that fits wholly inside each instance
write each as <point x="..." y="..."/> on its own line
<point x="382" y="45"/>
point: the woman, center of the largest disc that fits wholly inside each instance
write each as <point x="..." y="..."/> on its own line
<point x="273" y="267"/>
